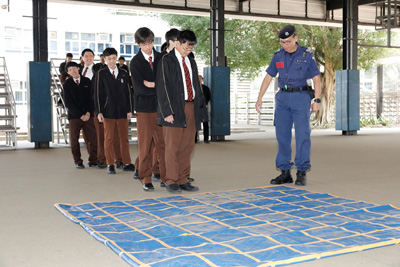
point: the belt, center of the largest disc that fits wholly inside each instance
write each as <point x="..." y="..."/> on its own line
<point x="187" y="101"/>
<point x="297" y="89"/>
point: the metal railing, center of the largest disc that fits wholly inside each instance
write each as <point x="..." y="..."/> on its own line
<point x="11" y="133"/>
<point x="243" y="109"/>
<point x="58" y="101"/>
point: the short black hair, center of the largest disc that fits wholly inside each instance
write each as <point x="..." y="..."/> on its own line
<point x="71" y="64"/>
<point x="110" y="51"/>
<point x="171" y="35"/>
<point x="87" y="50"/>
<point x="187" y="36"/>
<point x="70" y="55"/>
<point x="164" y="46"/>
<point x="144" y="35"/>
<point x="121" y="57"/>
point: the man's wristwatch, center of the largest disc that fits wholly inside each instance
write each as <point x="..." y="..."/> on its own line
<point x="317" y="100"/>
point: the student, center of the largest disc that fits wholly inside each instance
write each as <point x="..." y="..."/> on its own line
<point x="89" y="69"/>
<point x="114" y="107"/>
<point x="181" y="110"/>
<point x="207" y="97"/>
<point x="170" y="38"/>
<point x="121" y="64"/>
<point x="62" y="69"/>
<point x="77" y="97"/>
<point x="143" y="69"/>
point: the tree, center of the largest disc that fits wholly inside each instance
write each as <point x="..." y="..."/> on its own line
<point x="250" y="45"/>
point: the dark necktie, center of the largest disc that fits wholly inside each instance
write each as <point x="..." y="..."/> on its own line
<point x="151" y="62"/>
<point x="77" y="82"/>
<point x="187" y="79"/>
<point x="84" y="73"/>
<point x="113" y="75"/>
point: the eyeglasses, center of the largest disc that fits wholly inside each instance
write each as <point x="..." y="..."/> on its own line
<point x="286" y="42"/>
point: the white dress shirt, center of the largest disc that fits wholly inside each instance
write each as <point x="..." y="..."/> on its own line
<point x="187" y="61"/>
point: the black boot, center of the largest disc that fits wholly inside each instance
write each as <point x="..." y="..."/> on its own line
<point x="284" y="178"/>
<point x="301" y="178"/>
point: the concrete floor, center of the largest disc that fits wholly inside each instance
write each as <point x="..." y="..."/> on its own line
<point x="33" y="233"/>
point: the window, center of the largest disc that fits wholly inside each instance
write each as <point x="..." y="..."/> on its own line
<point x="18" y="40"/>
<point x="76" y="42"/>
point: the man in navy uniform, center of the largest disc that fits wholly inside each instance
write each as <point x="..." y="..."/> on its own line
<point x="295" y="65"/>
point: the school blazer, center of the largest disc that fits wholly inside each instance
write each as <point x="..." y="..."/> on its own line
<point x="112" y="97"/>
<point x="78" y="100"/>
<point x="145" y="97"/>
<point x="171" y="95"/>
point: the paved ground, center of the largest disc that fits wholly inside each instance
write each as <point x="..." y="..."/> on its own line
<point x="33" y="233"/>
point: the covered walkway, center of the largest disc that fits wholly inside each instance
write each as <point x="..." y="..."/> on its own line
<point x="363" y="167"/>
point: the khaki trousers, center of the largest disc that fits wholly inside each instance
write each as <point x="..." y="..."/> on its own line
<point x="179" y="144"/>
<point x="75" y="126"/>
<point x="101" y="156"/>
<point x="111" y="128"/>
<point x="147" y="128"/>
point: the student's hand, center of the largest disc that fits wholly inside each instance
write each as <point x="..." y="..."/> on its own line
<point x="100" y="117"/>
<point x="129" y="116"/>
<point x="169" y="119"/>
<point x="85" y="117"/>
<point x="149" y="84"/>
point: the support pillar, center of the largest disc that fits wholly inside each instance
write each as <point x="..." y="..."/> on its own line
<point x="217" y="77"/>
<point x="379" y="93"/>
<point x="39" y="100"/>
<point x="351" y="96"/>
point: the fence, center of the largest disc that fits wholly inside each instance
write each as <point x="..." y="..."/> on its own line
<point x="243" y="108"/>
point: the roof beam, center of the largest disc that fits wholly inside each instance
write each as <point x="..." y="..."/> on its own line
<point x="338" y="4"/>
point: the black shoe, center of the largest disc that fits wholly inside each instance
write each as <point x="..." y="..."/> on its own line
<point x="155" y="177"/>
<point x="191" y="180"/>
<point x="101" y="165"/>
<point x="136" y="175"/>
<point x="173" y="188"/>
<point x="148" y="187"/>
<point x="301" y="178"/>
<point x="80" y="166"/>
<point x="120" y="165"/>
<point x="91" y="165"/>
<point x="189" y="187"/>
<point x="284" y="178"/>
<point x="162" y="184"/>
<point x="129" y="167"/>
<point x="206" y="141"/>
<point x="111" y="169"/>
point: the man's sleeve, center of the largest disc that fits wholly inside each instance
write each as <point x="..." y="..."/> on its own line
<point x="96" y="92"/>
<point x="137" y="81"/>
<point x="272" y="69"/>
<point x="314" y="70"/>
<point x="164" y="101"/>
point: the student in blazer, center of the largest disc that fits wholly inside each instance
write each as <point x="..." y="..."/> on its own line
<point x="114" y="107"/>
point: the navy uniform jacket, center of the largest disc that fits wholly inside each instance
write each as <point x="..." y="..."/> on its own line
<point x="145" y="97"/>
<point x="112" y="97"/>
<point x="171" y="95"/>
<point x="78" y="99"/>
<point x="294" y="70"/>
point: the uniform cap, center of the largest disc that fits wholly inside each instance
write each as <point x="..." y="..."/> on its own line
<point x="286" y="31"/>
<point x="71" y="64"/>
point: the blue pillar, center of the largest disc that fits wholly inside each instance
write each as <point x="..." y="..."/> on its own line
<point x="218" y="79"/>
<point x="348" y="101"/>
<point x="39" y="104"/>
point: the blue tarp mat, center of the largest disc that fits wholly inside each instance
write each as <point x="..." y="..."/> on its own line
<point x="266" y="226"/>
